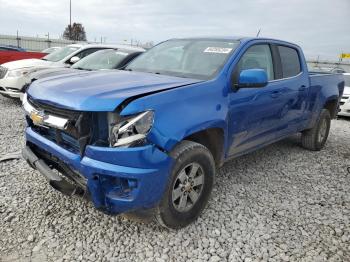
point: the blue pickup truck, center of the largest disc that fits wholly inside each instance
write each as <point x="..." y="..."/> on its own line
<point x="150" y="137"/>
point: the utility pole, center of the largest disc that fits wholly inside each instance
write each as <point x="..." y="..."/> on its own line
<point x="48" y="39"/>
<point x="70" y="19"/>
<point x="17" y="38"/>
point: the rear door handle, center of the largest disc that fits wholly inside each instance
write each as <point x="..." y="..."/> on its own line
<point x="302" y="88"/>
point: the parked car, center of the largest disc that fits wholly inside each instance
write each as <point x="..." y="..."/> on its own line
<point x="151" y="136"/>
<point x="345" y="100"/>
<point x="11" y="48"/>
<point x="51" y="49"/>
<point x="10" y="53"/>
<point x="337" y="70"/>
<point x="100" y="60"/>
<point x="12" y="73"/>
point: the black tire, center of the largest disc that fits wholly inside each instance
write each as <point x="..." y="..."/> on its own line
<point x="316" y="137"/>
<point x="188" y="155"/>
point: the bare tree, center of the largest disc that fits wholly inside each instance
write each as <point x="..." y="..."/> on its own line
<point x="75" y="33"/>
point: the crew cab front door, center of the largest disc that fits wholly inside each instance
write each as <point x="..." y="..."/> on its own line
<point x="255" y="113"/>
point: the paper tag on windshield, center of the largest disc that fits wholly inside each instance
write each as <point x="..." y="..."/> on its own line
<point x="218" y="50"/>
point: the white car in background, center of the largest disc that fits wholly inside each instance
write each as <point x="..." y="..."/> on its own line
<point x="345" y="100"/>
<point x="51" y="49"/>
<point x="12" y="73"/>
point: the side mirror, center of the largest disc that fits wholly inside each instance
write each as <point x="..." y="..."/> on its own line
<point x="74" y="59"/>
<point x="252" y="78"/>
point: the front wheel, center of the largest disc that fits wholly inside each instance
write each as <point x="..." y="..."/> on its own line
<point x="190" y="184"/>
<point x="316" y="137"/>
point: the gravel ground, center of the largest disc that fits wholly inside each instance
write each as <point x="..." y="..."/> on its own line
<point x="281" y="203"/>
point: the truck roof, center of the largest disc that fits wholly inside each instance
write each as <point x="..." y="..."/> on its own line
<point x="239" y="38"/>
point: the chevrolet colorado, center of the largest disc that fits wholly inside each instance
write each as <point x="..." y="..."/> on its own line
<point x="150" y="136"/>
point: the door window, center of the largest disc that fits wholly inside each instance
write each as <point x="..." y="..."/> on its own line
<point x="85" y="53"/>
<point x="256" y="57"/>
<point x="290" y="61"/>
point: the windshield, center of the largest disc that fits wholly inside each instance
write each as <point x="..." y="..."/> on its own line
<point x="104" y="59"/>
<point x="347" y="80"/>
<point x="191" y="58"/>
<point x="60" y="54"/>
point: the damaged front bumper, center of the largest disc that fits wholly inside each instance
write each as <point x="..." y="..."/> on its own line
<point x="116" y="180"/>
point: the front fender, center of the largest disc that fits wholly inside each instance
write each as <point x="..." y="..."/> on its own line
<point x="183" y="111"/>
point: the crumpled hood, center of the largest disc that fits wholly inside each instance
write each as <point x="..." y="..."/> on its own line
<point x="26" y="63"/>
<point x="100" y="91"/>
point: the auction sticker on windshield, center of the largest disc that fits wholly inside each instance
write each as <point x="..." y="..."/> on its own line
<point x="218" y="50"/>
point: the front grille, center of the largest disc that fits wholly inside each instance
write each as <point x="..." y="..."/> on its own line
<point x="3" y="71"/>
<point x="77" y="134"/>
<point x="50" y="110"/>
<point x="62" y="138"/>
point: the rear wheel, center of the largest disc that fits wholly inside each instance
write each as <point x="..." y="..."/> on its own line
<point x="316" y="137"/>
<point x="190" y="185"/>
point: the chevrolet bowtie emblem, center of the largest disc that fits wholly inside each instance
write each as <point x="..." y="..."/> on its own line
<point x="37" y="117"/>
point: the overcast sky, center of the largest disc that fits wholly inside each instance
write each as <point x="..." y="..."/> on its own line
<point x="321" y="27"/>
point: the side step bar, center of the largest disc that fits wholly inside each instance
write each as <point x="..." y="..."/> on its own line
<point x="56" y="181"/>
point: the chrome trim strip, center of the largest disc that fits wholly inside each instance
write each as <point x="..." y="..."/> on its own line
<point x="48" y="120"/>
<point x="287" y="78"/>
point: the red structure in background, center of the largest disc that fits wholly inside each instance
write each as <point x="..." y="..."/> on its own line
<point x="8" y="56"/>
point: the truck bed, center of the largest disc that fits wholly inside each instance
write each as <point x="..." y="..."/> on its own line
<point x="325" y="88"/>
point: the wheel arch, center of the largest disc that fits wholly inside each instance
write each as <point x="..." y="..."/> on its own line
<point x="332" y="106"/>
<point x="212" y="138"/>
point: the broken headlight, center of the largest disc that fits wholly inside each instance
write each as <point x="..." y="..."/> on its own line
<point x="130" y="131"/>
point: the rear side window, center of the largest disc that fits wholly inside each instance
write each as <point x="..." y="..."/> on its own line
<point x="290" y="61"/>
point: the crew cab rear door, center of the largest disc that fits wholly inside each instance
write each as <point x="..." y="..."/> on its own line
<point x="294" y="82"/>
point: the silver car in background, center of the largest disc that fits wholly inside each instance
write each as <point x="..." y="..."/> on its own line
<point x="12" y="74"/>
<point x="51" y="49"/>
<point x="107" y="59"/>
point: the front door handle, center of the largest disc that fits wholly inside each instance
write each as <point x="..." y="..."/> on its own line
<point x="302" y="88"/>
<point x="275" y="94"/>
